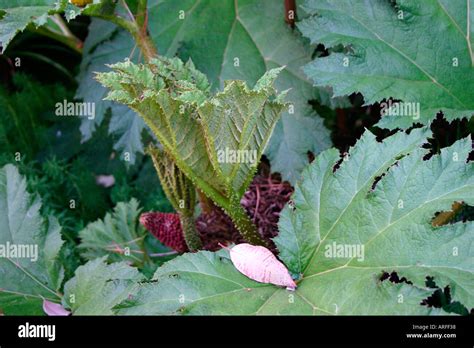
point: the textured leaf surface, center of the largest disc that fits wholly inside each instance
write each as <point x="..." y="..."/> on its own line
<point x="197" y="129"/>
<point x="248" y="122"/>
<point x="391" y="54"/>
<point x="203" y="283"/>
<point x="97" y="287"/>
<point x="15" y="15"/>
<point x="392" y="222"/>
<point x="295" y="243"/>
<point x="118" y="235"/>
<point x="380" y="200"/>
<point x="24" y="282"/>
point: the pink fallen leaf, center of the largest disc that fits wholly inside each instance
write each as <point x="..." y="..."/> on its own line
<point x="105" y="180"/>
<point x="54" y="309"/>
<point x="259" y="264"/>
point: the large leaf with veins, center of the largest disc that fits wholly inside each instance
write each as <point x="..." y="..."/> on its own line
<point x="97" y="287"/>
<point x="380" y="200"/>
<point x="24" y="280"/>
<point x="413" y="51"/>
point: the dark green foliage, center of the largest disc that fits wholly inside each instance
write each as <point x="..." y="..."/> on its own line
<point x="60" y="169"/>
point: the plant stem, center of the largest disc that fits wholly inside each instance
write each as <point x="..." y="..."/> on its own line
<point x="117" y="20"/>
<point x="67" y="32"/>
<point x="137" y="28"/>
<point x="141" y="16"/>
<point x="231" y="206"/>
<point x="242" y="222"/>
<point x="72" y="42"/>
<point x="189" y="231"/>
<point x="145" y="43"/>
<point x="180" y="192"/>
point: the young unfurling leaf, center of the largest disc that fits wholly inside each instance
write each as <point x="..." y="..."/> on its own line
<point x="216" y="141"/>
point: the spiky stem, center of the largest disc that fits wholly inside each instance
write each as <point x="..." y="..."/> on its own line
<point x="242" y="222"/>
<point x="180" y="192"/>
<point x="189" y="231"/>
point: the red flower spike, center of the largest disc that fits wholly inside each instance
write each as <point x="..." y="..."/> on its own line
<point x="166" y="227"/>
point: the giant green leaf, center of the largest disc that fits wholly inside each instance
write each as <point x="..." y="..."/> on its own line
<point x="392" y="221"/>
<point x="380" y="200"/>
<point x="413" y="51"/>
<point x="97" y="287"/>
<point x="25" y="280"/>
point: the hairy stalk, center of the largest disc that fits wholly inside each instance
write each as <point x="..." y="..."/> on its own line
<point x="180" y="192"/>
<point x="232" y="208"/>
<point x="145" y="44"/>
<point x="142" y="14"/>
<point x="137" y="27"/>
<point x="244" y="224"/>
<point x="189" y="231"/>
